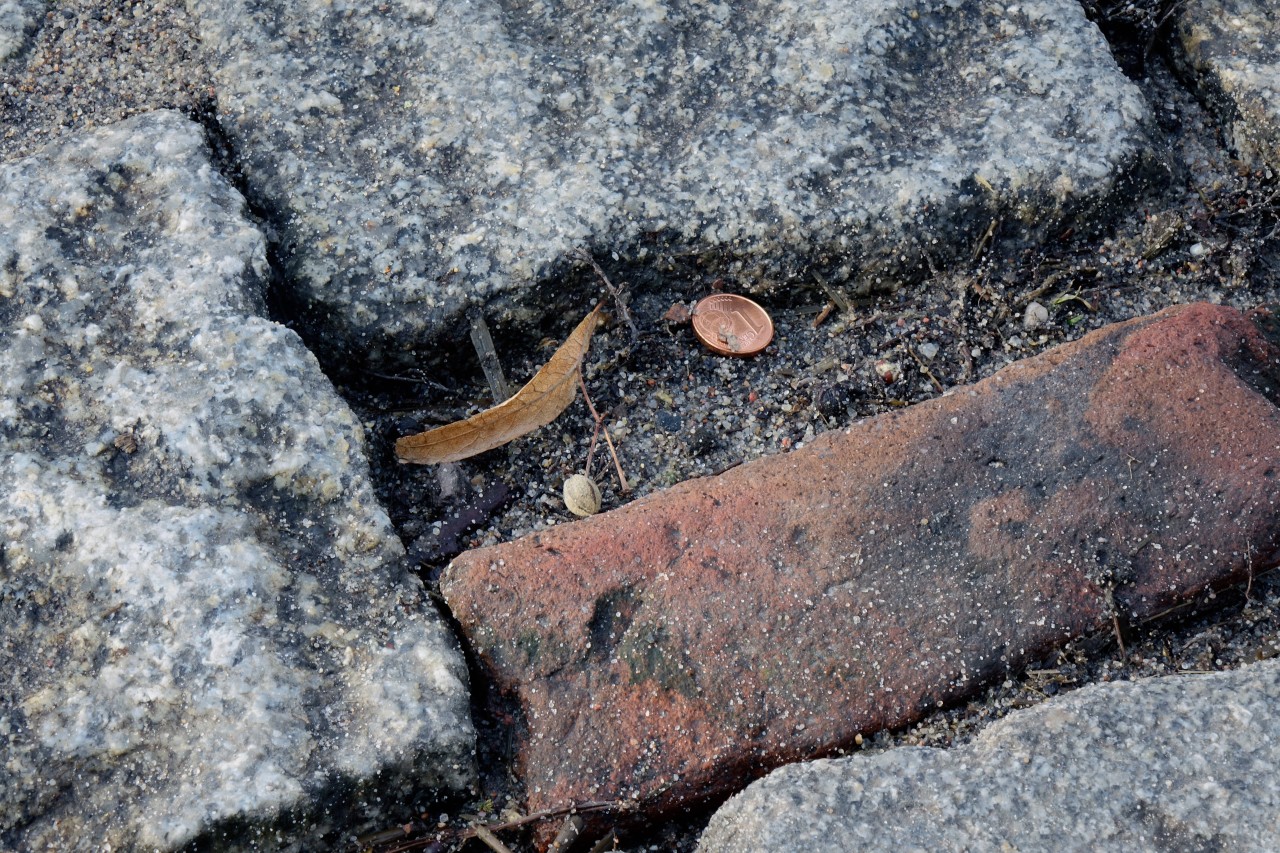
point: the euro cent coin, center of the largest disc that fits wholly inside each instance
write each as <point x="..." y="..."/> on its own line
<point x="732" y="325"/>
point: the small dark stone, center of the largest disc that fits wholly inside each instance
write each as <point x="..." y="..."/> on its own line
<point x="433" y="547"/>
<point x="667" y="421"/>
<point x="833" y="400"/>
<point x="408" y="425"/>
<point x="705" y="440"/>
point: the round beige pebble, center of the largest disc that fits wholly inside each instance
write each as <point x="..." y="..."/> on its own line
<point x="581" y="495"/>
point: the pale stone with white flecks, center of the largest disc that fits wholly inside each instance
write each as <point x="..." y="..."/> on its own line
<point x="1228" y="48"/>
<point x="208" y="628"/>
<point x="1175" y="763"/>
<point x="419" y="158"/>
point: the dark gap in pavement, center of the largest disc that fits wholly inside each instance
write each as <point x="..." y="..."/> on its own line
<point x="1134" y="29"/>
<point x="281" y="304"/>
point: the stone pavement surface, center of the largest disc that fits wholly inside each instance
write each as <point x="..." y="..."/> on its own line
<point x="667" y="649"/>
<point x="421" y="159"/>
<point x="1178" y="763"/>
<point x="209" y="635"/>
<point x="206" y="615"/>
<point x="1229" y="46"/>
<point x="17" y="21"/>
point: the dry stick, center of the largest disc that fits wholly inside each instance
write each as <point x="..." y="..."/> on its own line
<point x="1163" y="613"/>
<point x="489" y="363"/>
<point x="824" y="314"/>
<point x="1049" y="283"/>
<point x="1108" y="593"/>
<point x="591" y="450"/>
<point x="475" y="829"/>
<point x="397" y="378"/>
<point x="1248" y="590"/>
<point x="985" y="239"/>
<point x="835" y="294"/>
<point x="385" y="836"/>
<point x="569" y="832"/>
<point x="491" y="841"/>
<point x="580" y="808"/>
<point x="615" y="292"/>
<point x="485" y="832"/>
<point x="924" y="368"/>
<point x="622" y="478"/>
<point x="431" y="845"/>
<point x="1115" y="624"/>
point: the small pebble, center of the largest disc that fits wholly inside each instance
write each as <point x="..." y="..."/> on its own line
<point x="667" y="421"/>
<point x="581" y="495"/>
<point x="888" y="371"/>
<point x="704" y="441"/>
<point x="1035" y="316"/>
<point x="833" y="401"/>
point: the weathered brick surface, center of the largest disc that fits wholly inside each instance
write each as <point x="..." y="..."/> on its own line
<point x="670" y="649"/>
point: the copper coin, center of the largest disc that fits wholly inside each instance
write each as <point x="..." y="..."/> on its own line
<point x="732" y="325"/>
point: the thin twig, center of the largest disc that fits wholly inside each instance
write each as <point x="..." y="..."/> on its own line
<point x="489" y="362"/>
<point x="622" y="478"/>
<point x="591" y="450"/>
<point x="1108" y="596"/>
<point x="924" y="368"/>
<point x="1168" y="610"/>
<point x="490" y="840"/>
<point x="835" y="294"/>
<point x="984" y="240"/>
<point x="619" y="298"/>
<point x="397" y="378"/>
<point x="476" y="830"/>
<point x="1049" y="283"/>
<point x="1248" y="590"/>
<point x="580" y="808"/>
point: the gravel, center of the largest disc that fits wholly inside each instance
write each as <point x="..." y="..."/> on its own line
<point x="91" y="63"/>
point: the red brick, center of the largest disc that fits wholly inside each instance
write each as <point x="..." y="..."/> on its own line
<point x="671" y="649"/>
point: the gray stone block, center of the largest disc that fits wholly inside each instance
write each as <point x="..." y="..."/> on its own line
<point x="208" y="628"/>
<point x="1229" y="47"/>
<point x="419" y="158"/>
<point x="1175" y="763"/>
<point x="18" y="19"/>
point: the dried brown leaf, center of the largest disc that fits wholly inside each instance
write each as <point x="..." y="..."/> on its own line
<point x="538" y="403"/>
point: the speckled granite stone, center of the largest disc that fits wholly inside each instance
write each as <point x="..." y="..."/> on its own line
<point x="420" y="157"/>
<point x="207" y="623"/>
<point x="1177" y="763"/>
<point x="1230" y="48"/>
<point x="18" y="19"/>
